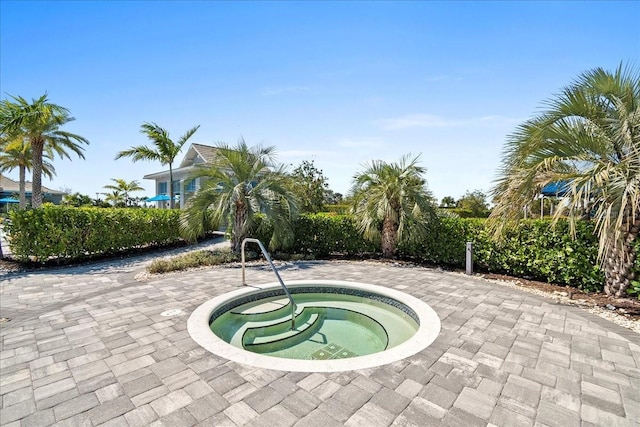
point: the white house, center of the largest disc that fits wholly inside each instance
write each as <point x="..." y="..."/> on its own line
<point x="183" y="185"/>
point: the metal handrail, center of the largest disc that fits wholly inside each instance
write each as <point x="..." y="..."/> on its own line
<point x="273" y="267"/>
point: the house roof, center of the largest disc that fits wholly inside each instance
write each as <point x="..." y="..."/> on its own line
<point x="10" y="186"/>
<point x="207" y="152"/>
<point x="198" y="153"/>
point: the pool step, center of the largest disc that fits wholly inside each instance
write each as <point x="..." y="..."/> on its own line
<point x="272" y="309"/>
<point x="270" y="342"/>
<point x="273" y="325"/>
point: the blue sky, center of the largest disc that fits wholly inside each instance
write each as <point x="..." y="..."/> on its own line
<point x="339" y="83"/>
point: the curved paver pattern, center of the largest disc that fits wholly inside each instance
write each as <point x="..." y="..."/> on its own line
<point x="88" y="346"/>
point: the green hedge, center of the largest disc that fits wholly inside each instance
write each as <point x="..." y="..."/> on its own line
<point x="68" y="233"/>
<point x="319" y="235"/>
<point x="533" y="249"/>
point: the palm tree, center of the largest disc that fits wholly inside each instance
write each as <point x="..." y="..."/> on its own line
<point x="116" y="198"/>
<point x="39" y="123"/>
<point x="391" y="202"/>
<point x="124" y="187"/>
<point x="165" y="150"/>
<point x="241" y="182"/>
<point x="589" y="139"/>
<point x="18" y="154"/>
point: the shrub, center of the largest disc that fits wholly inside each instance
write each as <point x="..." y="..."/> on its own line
<point x="339" y="209"/>
<point x="319" y="235"/>
<point x="533" y="249"/>
<point x="68" y="233"/>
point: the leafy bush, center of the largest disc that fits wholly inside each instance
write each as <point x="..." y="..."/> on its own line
<point x="533" y="249"/>
<point x="68" y="233"/>
<point x="340" y="209"/>
<point x="319" y="235"/>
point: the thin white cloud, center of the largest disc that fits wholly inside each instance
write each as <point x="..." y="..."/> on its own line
<point x="280" y="90"/>
<point x="434" y="121"/>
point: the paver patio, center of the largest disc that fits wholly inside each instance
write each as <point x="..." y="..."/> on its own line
<point x="88" y="345"/>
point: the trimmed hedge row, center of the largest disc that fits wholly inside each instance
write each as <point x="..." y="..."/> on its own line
<point x="533" y="249"/>
<point x="320" y="235"/>
<point x="67" y="233"/>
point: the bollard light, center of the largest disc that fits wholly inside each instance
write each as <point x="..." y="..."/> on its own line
<point x="469" y="258"/>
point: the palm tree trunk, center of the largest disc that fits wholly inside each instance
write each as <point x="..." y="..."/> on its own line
<point x="619" y="262"/>
<point x="170" y="186"/>
<point x="23" y="191"/>
<point x="37" y="145"/>
<point x="389" y="238"/>
<point x="239" y="222"/>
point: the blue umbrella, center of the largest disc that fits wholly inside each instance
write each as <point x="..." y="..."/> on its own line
<point x="556" y="188"/>
<point x="159" y="198"/>
<point x="9" y="200"/>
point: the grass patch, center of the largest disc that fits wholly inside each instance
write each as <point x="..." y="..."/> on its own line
<point x="192" y="260"/>
<point x="217" y="257"/>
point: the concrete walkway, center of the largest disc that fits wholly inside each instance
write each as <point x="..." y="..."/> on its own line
<point x="90" y="345"/>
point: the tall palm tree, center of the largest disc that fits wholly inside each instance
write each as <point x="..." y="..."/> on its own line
<point x="241" y="182"/>
<point x="18" y="154"/>
<point x="124" y="187"/>
<point x="391" y="202"/>
<point x="116" y="198"/>
<point x="165" y="150"/>
<point x="39" y="123"/>
<point x="588" y="138"/>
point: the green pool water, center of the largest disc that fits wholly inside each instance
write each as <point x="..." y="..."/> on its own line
<point x="327" y="326"/>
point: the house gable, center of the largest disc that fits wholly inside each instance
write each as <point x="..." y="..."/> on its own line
<point x="198" y="154"/>
<point x="9" y="186"/>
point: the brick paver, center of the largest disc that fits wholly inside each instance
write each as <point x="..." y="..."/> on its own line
<point x="88" y="345"/>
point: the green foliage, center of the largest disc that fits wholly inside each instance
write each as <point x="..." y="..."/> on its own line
<point x="448" y="202"/>
<point x="475" y="203"/>
<point x="240" y="182"/>
<point x="164" y="149"/>
<point x="462" y="213"/>
<point x="39" y="124"/>
<point x="332" y="198"/>
<point x="634" y="286"/>
<point x="77" y="200"/>
<point x="634" y="289"/>
<point x="123" y="189"/>
<point x="392" y="203"/>
<point x="309" y="185"/>
<point x="65" y="233"/>
<point x="319" y="235"/>
<point x="537" y="250"/>
<point x="586" y="138"/>
<point x="191" y="260"/>
<point x="532" y="249"/>
<point x="340" y="209"/>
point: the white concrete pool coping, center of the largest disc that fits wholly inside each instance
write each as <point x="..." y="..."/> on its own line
<point x="200" y="332"/>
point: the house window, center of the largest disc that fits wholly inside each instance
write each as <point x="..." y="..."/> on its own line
<point x="162" y="188"/>
<point x="191" y="186"/>
<point x="176" y="187"/>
